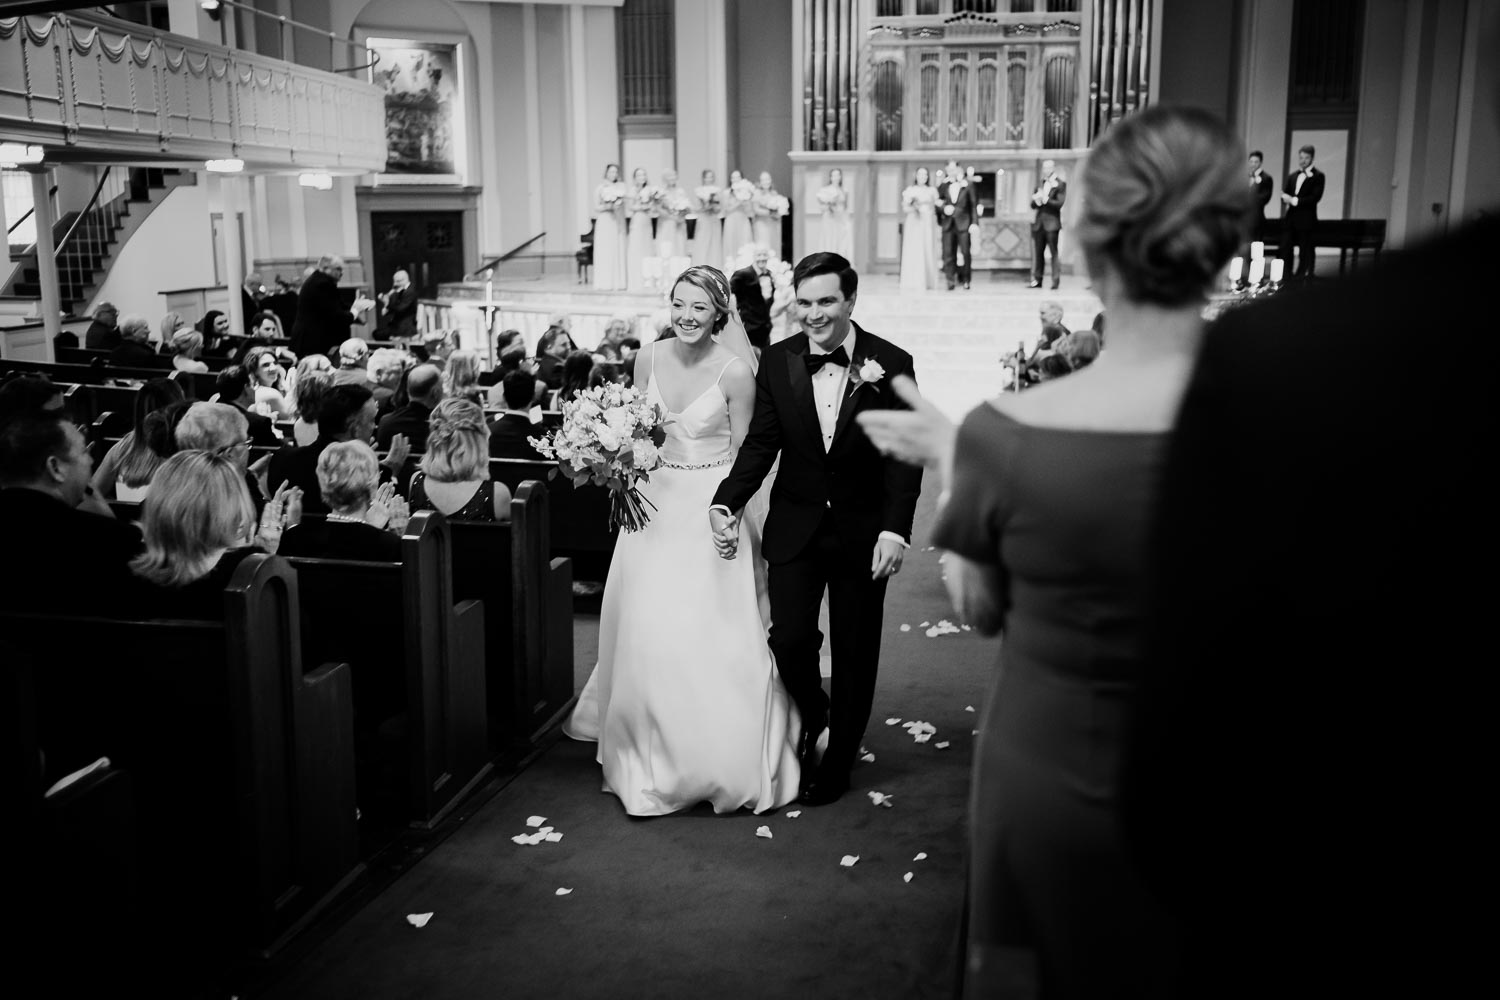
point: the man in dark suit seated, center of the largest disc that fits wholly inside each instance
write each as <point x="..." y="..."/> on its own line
<point x="66" y="552"/>
<point x="134" y="349"/>
<point x="103" y="334"/>
<point x="233" y="385"/>
<point x="347" y="413"/>
<point x="510" y="433"/>
<point x="424" y="389"/>
<point x="753" y="293"/>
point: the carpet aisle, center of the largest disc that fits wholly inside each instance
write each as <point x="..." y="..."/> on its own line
<point x="696" y="904"/>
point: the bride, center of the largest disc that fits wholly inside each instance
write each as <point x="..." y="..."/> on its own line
<point x="685" y="702"/>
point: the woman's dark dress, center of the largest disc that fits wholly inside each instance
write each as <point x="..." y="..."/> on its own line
<point x="479" y="507"/>
<point x="1063" y="514"/>
<point x="201" y="600"/>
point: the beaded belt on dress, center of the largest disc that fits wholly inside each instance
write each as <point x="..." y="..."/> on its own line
<point x="699" y="465"/>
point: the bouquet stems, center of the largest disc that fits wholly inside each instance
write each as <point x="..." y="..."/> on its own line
<point x="627" y="509"/>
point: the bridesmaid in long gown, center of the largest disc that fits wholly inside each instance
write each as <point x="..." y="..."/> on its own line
<point x="671" y="218"/>
<point x="1050" y="495"/>
<point x="838" y="222"/>
<point x="640" y="204"/>
<point x="765" y="222"/>
<point x="738" y="204"/>
<point x="609" y="231"/>
<point x="708" y="233"/>
<point x="686" y="703"/>
<point x="919" y="236"/>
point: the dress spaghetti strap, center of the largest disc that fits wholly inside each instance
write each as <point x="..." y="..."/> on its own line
<point x="721" y="370"/>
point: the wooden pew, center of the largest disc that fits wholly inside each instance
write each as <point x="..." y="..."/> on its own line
<point x="242" y="766"/>
<point x="528" y="616"/>
<point x="579" y="517"/>
<point x="414" y="651"/>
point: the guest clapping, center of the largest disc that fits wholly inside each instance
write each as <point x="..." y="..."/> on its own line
<point x="365" y="517"/>
<point x="1048" y="498"/>
<point x="455" y="473"/>
<point x="346" y="413"/>
<point x="199" y="524"/>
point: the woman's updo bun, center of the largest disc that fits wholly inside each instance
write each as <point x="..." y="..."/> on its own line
<point x="1165" y="204"/>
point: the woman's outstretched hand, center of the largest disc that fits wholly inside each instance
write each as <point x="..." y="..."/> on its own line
<point x="919" y="436"/>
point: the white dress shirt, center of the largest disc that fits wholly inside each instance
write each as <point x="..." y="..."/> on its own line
<point x="766" y="291"/>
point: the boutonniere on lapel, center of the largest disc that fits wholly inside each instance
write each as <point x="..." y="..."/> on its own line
<point x="864" y="371"/>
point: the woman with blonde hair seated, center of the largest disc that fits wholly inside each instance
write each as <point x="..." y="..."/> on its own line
<point x="461" y="377"/>
<point x="199" y="525"/>
<point x="187" y="343"/>
<point x="365" y="516"/>
<point x="455" y="474"/>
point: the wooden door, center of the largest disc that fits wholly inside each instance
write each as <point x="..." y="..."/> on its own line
<point x="429" y="246"/>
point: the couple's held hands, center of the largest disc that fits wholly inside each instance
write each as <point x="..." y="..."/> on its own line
<point x="922" y="435"/>
<point x="726" y="533"/>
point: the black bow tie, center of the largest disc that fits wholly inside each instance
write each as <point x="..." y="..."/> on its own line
<point x="815" y="362"/>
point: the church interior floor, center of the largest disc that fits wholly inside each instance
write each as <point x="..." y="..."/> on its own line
<point x="692" y="904"/>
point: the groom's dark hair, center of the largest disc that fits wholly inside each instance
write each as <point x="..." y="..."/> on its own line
<point x="815" y="264"/>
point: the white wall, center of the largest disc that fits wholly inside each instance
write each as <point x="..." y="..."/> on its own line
<point x="172" y="249"/>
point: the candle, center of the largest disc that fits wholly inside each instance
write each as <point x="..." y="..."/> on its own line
<point x="1277" y="267"/>
<point x="1257" y="270"/>
<point x="1257" y="250"/>
<point x="1236" y="268"/>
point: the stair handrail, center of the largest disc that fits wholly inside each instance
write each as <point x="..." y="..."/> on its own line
<point x="489" y="265"/>
<point x="80" y="270"/>
<point x="286" y="22"/>
<point x="24" y="216"/>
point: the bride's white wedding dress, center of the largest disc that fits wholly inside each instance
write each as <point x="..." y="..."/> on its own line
<point x="685" y="702"/>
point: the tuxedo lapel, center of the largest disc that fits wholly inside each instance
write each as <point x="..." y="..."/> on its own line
<point x="854" y="392"/>
<point x="802" y="394"/>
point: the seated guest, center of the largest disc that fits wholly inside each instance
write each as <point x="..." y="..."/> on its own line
<point x="215" y="329"/>
<point x="1080" y="348"/>
<point x="269" y="379"/>
<point x="233" y="386"/>
<point x="103" y="334"/>
<point x="161" y="427"/>
<point x="512" y="359"/>
<point x="424" y="388"/>
<point x="60" y="556"/>
<point x="199" y="524"/>
<point x="461" y="377"/>
<point x="354" y="356"/>
<point x="308" y="397"/>
<point x="435" y="347"/>
<point x="506" y="339"/>
<point x="29" y="394"/>
<point x="551" y="349"/>
<point x="511" y="433"/>
<point x="187" y="344"/>
<point x="386" y="367"/>
<point x="125" y="471"/>
<point x="579" y="373"/>
<point x="346" y="413"/>
<point x="223" y="430"/>
<point x="455" y="473"/>
<point x="349" y="477"/>
<point x="167" y="328"/>
<point x="1051" y="367"/>
<point x="134" y="349"/>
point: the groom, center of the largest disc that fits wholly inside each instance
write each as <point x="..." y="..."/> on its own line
<point x="841" y="513"/>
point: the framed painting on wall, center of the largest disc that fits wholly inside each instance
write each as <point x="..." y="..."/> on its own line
<point x="424" y="110"/>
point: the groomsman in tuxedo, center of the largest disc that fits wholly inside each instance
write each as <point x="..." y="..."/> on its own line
<point x="1300" y="196"/>
<point x="1045" y="227"/>
<point x="1262" y="187"/>
<point x="958" y="215"/>
<point x="753" y="294"/>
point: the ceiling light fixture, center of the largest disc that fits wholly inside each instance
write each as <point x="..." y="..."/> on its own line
<point x="15" y="154"/>
<point x="227" y="166"/>
<point x="317" y="181"/>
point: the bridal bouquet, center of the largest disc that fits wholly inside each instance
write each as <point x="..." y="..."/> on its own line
<point x="708" y="197"/>
<point x="742" y="189"/>
<point x="830" y="196"/>
<point x="610" y="436"/>
<point x="610" y="195"/>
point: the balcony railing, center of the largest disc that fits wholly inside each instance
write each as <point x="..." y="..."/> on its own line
<point x="92" y="87"/>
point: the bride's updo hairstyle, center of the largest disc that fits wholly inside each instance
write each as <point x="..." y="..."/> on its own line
<point x="710" y="280"/>
<point x="1164" y="203"/>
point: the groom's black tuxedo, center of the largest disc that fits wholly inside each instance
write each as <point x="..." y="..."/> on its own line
<point x="828" y="508"/>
